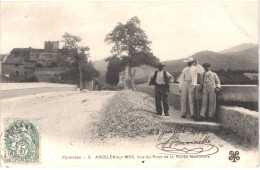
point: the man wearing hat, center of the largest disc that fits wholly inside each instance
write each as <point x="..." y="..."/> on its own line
<point x="188" y="82"/>
<point x="210" y="85"/>
<point x="161" y="79"/>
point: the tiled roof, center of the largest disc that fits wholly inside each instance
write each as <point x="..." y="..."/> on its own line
<point x="2" y="56"/>
<point x="26" y="50"/>
<point x="19" y="55"/>
<point x="13" y="60"/>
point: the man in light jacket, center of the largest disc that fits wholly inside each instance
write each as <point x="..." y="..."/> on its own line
<point x="210" y="85"/>
<point x="188" y="82"/>
<point x="161" y="80"/>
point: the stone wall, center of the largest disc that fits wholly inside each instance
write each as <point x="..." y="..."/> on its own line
<point x="9" y="90"/>
<point x="4" y="79"/>
<point x="241" y="121"/>
<point x="45" y="58"/>
<point x="141" y="74"/>
<point x="143" y="71"/>
<point x="10" y="69"/>
<point x="24" y="72"/>
<point x="48" y="74"/>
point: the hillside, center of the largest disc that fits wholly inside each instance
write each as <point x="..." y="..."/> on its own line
<point x="100" y="65"/>
<point x="242" y="60"/>
<point x="239" y="48"/>
<point x="241" y="57"/>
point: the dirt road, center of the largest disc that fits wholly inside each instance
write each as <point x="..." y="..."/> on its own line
<point x="70" y="121"/>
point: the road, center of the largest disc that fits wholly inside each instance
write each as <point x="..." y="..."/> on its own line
<point x="67" y="129"/>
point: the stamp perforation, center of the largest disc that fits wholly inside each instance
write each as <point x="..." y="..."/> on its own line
<point x="4" y="145"/>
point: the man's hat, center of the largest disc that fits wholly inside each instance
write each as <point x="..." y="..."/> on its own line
<point x="190" y="59"/>
<point x="160" y="65"/>
<point x="206" y="65"/>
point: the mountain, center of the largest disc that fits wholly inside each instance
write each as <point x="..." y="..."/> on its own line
<point x="100" y="65"/>
<point x="241" y="57"/>
<point x="246" y="59"/>
<point x="239" y="48"/>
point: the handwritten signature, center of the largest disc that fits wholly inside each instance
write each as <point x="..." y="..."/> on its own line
<point x="174" y="144"/>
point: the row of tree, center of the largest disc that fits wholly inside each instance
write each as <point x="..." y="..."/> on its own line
<point x="131" y="48"/>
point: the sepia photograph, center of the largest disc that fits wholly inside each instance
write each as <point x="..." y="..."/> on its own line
<point x="171" y="84"/>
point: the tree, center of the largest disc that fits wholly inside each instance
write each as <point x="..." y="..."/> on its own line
<point x="89" y="72"/>
<point x="113" y="69"/>
<point x="131" y="44"/>
<point x="79" y="53"/>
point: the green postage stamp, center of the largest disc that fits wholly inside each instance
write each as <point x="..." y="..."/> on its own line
<point x="22" y="141"/>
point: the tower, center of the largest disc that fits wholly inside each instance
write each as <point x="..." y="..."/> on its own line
<point x="51" y="45"/>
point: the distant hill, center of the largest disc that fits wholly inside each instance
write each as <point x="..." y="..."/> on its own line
<point x="241" y="57"/>
<point x="239" y="48"/>
<point x="242" y="60"/>
<point x="100" y="65"/>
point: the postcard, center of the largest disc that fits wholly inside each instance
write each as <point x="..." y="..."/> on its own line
<point x="129" y="84"/>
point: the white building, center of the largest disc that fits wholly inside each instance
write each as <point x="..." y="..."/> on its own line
<point x="141" y="74"/>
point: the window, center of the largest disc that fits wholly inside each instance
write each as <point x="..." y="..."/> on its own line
<point x="17" y="73"/>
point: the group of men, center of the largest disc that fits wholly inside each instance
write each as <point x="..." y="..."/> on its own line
<point x="209" y="85"/>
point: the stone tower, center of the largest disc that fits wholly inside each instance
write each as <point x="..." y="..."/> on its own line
<point x="51" y="45"/>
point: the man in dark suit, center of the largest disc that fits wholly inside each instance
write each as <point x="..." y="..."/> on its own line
<point x="161" y="79"/>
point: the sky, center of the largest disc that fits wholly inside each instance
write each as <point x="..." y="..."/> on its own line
<point x="176" y="29"/>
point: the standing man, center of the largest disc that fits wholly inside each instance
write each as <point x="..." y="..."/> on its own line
<point x="96" y="84"/>
<point x="161" y="79"/>
<point x="210" y="85"/>
<point x="188" y="82"/>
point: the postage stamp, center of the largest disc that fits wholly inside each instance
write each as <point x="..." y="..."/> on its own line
<point x="22" y="141"/>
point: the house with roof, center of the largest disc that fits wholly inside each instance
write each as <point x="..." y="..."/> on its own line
<point x="3" y="79"/>
<point x="2" y="59"/>
<point x="22" y="63"/>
